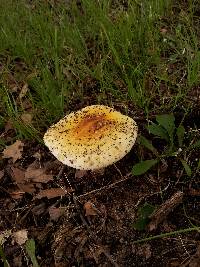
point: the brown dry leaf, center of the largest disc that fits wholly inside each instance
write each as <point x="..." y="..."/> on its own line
<point x="1" y="174"/>
<point x="89" y="208"/>
<point x="18" y="175"/>
<point x="14" y="151"/>
<point x="27" y="118"/>
<point x="37" y="175"/>
<point x="55" y="213"/>
<point x="20" y="236"/>
<point x="16" y="194"/>
<point x="53" y="192"/>
<point x="80" y="173"/>
<point x="23" y="91"/>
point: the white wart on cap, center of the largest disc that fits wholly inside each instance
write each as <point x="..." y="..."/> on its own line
<point x="91" y="138"/>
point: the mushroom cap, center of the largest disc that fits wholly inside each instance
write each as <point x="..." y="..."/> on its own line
<point x="91" y="138"/>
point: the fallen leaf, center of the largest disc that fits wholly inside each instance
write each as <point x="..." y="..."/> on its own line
<point x="1" y="174"/>
<point x="14" y="151"/>
<point x="55" y="213"/>
<point x="37" y="175"/>
<point x="23" y="91"/>
<point x="27" y="118"/>
<point x="20" y="236"/>
<point x="89" y="208"/>
<point x="53" y="192"/>
<point x="18" y="175"/>
<point x="16" y="194"/>
<point x="80" y="174"/>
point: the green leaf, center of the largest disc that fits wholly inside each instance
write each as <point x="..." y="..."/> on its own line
<point x="186" y="167"/>
<point x="146" y="143"/>
<point x="167" y="122"/>
<point x="143" y="166"/>
<point x="143" y="216"/>
<point x="158" y="131"/>
<point x="30" y="249"/>
<point x="180" y="132"/>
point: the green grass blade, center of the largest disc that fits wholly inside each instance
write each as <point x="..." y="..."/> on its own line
<point x="30" y="249"/>
<point x="166" y="235"/>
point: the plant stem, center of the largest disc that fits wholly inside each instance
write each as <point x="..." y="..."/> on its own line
<point x="167" y="234"/>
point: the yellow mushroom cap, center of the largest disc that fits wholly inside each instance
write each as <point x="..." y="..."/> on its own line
<point x="91" y="138"/>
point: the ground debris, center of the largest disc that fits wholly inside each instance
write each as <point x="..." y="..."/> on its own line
<point x="20" y="236"/>
<point x="1" y="174"/>
<point x="14" y="151"/>
<point x="18" y="175"/>
<point x="23" y="91"/>
<point x="53" y="192"/>
<point x="90" y="209"/>
<point x="195" y="260"/>
<point x="160" y="214"/>
<point x="36" y="174"/>
<point x="80" y="174"/>
<point x="55" y="213"/>
<point x="27" y="118"/>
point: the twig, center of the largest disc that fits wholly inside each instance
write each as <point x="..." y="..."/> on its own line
<point x="161" y="213"/>
<point x="60" y="172"/>
<point x="106" y="187"/>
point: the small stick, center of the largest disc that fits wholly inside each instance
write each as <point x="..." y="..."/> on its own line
<point x="60" y="172"/>
<point x="106" y="187"/>
<point x="161" y="213"/>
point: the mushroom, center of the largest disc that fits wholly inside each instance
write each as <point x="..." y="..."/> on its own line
<point x="91" y="138"/>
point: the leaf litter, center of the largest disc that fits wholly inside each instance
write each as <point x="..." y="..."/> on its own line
<point x="53" y="192"/>
<point x="36" y="174"/>
<point x="14" y="151"/>
<point x="20" y="236"/>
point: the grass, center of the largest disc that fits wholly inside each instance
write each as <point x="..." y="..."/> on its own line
<point x="53" y="48"/>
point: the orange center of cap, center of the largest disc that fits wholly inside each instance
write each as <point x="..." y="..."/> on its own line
<point x="92" y="126"/>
